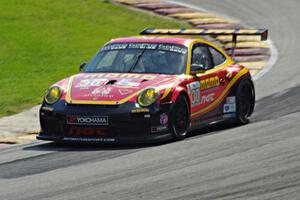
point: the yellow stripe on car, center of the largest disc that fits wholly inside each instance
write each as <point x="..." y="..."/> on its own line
<point x="220" y="98"/>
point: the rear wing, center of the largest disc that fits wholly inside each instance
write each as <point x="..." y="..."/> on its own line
<point x="208" y="32"/>
<point x="263" y="33"/>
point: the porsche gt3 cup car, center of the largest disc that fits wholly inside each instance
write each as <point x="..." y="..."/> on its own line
<point x="153" y="87"/>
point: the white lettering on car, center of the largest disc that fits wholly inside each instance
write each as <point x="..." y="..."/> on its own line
<point x="101" y="91"/>
<point x="208" y="98"/>
<point x="128" y="82"/>
<point x="86" y="83"/>
<point x="194" y="92"/>
<point x="93" y="120"/>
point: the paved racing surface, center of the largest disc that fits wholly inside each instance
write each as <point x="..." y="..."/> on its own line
<point x="257" y="161"/>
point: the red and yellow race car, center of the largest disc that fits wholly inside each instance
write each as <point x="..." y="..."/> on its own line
<point x="153" y="87"/>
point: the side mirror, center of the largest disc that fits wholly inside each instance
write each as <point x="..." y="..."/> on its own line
<point x="82" y="66"/>
<point x="196" y="69"/>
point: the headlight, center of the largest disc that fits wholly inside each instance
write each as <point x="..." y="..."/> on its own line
<point x="148" y="97"/>
<point x="53" y="94"/>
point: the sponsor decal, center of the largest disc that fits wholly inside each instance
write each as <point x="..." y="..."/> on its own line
<point x="120" y="75"/>
<point x="142" y="46"/>
<point x="147" y="116"/>
<point x="90" y="139"/>
<point x="172" y="48"/>
<point x="230" y="105"/>
<point x="209" y="83"/>
<point x="207" y="98"/>
<point x="193" y="85"/>
<point x="124" y="91"/>
<point x="128" y="82"/>
<point x="228" y="108"/>
<point x="156" y="129"/>
<point x="230" y="100"/>
<point x="140" y="110"/>
<point x="87" y="83"/>
<point x="194" y="92"/>
<point x="101" y="91"/>
<point x="76" y="131"/>
<point x="87" y="120"/>
<point x="152" y="46"/>
<point x="164" y="119"/>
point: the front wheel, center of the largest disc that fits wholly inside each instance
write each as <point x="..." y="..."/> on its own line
<point x="179" y="123"/>
<point x="245" y="99"/>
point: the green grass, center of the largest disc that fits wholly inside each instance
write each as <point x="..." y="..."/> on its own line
<point x="43" y="41"/>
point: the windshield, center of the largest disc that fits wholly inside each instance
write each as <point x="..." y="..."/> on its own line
<point x="140" y="58"/>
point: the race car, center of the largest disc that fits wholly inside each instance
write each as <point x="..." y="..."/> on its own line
<point x="154" y="87"/>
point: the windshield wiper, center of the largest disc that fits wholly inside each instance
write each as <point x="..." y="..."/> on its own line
<point x="137" y="60"/>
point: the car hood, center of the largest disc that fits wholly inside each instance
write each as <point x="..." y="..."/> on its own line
<point x="113" y="88"/>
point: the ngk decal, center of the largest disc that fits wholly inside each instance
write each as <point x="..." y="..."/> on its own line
<point x="207" y="98"/>
<point x="76" y="131"/>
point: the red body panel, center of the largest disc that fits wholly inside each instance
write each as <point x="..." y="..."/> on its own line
<point x="115" y="86"/>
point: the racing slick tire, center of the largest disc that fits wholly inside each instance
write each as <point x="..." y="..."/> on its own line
<point x="179" y="123"/>
<point x="245" y="100"/>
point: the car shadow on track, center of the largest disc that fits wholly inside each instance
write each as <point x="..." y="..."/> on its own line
<point x="62" y="147"/>
<point x="277" y="105"/>
<point x="53" y="146"/>
<point x="209" y="130"/>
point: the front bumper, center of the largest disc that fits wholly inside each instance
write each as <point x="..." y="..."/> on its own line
<point x="128" y="123"/>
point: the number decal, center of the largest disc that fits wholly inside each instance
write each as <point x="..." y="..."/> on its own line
<point x="195" y="96"/>
<point x="86" y="83"/>
<point x="194" y="92"/>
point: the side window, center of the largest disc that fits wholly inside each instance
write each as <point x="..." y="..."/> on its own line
<point x="217" y="57"/>
<point x="201" y="56"/>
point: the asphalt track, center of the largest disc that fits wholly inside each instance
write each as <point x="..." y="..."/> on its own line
<point x="257" y="161"/>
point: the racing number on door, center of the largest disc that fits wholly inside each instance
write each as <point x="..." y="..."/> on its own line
<point x="194" y="91"/>
<point x="195" y="96"/>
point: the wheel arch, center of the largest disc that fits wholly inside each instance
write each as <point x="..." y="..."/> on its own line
<point x="181" y="91"/>
<point x="253" y="92"/>
<point x="248" y="80"/>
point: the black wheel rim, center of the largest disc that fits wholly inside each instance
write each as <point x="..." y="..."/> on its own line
<point x="180" y="119"/>
<point x="246" y="102"/>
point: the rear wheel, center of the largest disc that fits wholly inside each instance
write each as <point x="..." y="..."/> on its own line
<point x="244" y="102"/>
<point x="179" y="122"/>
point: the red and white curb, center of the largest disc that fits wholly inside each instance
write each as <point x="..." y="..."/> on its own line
<point x="258" y="56"/>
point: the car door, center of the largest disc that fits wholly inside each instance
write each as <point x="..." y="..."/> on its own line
<point x="212" y="81"/>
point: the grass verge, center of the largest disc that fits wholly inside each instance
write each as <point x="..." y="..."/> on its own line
<point x="43" y="41"/>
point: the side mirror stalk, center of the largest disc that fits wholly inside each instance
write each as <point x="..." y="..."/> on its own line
<point x="196" y="69"/>
<point x="82" y="66"/>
